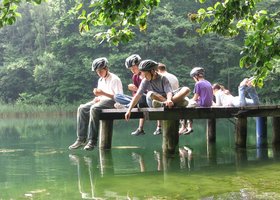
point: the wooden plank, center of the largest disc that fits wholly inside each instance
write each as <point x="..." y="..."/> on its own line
<point x="193" y="113"/>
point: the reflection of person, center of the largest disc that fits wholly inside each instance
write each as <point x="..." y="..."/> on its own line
<point x="159" y="89"/>
<point x="203" y="96"/>
<point x="88" y="114"/>
<point x="158" y="159"/>
<point x="246" y="87"/>
<point x="122" y="100"/>
<point x="139" y="158"/>
<point x="81" y="183"/>
<point x="185" y="153"/>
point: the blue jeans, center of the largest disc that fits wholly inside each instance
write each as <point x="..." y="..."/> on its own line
<point x="251" y="91"/>
<point x="126" y="100"/>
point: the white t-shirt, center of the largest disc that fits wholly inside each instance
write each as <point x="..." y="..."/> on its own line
<point x="172" y="79"/>
<point x="223" y="99"/>
<point x="111" y="84"/>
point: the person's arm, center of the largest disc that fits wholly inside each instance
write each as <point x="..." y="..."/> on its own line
<point x="168" y="90"/>
<point x="117" y="89"/>
<point x="169" y="103"/>
<point x="195" y="97"/>
<point x="98" y="92"/>
<point x="134" y="101"/>
<point x="132" y="87"/>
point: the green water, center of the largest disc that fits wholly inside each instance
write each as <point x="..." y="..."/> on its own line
<point x="36" y="164"/>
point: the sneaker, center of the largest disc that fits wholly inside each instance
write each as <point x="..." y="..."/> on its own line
<point x="90" y="145"/>
<point x="157" y="104"/>
<point x="192" y="104"/>
<point x="158" y="131"/>
<point x="119" y="106"/>
<point x="77" y="144"/>
<point x="138" y="132"/>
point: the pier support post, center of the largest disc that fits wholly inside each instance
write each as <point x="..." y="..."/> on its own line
<point x="212" y="153"/>
<point x="170" y="137"/>
<point x="211" y="130"/>
<point x="261" y="132"/>
<point x="105" y="134"/>
<point x="275" y="130"/>
<point x="106" y="162"/>
<point x="241" y="132"/>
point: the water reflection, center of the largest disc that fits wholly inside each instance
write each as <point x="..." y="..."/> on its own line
<point x="87" y="177"/>
<point x="84" y="166"/>
<point x="34" y="156"/>
<point x="90" y="182"/>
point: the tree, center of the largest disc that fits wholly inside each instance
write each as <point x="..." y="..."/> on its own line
<point x="229" y="18"/>
<point x="8" y="10"/>
<point x="261" y="51"/>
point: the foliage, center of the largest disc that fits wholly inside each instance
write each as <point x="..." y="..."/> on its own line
<point x="261" y="47"/>
<point x="119" y="16"/>
<point x="45" y="59"/>
<point x="8" y="11"/>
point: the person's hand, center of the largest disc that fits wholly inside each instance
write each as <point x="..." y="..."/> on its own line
<point x="169" y="103"/>
<point x="97" y="92"/>
<point x="127" y="115"/>
<point x="96" y="100"/>
<point x="132" y="87"/>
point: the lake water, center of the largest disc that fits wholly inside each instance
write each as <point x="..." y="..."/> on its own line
<point x="35" y="163"/>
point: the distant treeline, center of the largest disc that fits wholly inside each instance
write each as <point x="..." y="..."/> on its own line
<point x="44" y="60"/>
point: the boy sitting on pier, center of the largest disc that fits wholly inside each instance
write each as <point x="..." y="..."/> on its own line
<point x="159" y="89"/>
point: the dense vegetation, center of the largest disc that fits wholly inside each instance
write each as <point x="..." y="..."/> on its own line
<point x="44" y="59"/>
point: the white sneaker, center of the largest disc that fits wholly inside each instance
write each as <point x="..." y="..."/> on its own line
<point x="192" y="104"/>
<point x="119" y="106"/>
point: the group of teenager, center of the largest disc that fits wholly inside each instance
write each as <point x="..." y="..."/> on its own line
<point x="152" y="86"/>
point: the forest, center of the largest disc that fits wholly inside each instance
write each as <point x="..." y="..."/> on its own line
<point x="45" y="59"/>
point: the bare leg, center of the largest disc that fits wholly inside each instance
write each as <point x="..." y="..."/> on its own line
<point x="179" y="96"/>
<point x="141" y="123"/>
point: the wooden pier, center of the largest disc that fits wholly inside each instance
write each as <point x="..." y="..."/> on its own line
<point x="170" y="122"/>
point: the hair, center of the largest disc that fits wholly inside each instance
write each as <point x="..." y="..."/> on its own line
<point x="216" y="86"/>
<point x="161" y="67"/>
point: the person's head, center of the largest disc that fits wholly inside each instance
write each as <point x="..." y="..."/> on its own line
<point x="100" y="66"/>
<point x="161" y="67"/>
<point x="148" y="68"/>
<point x="132" y="63"/>
<point x="216" y="86"/>
<point x="197" y="73"/>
